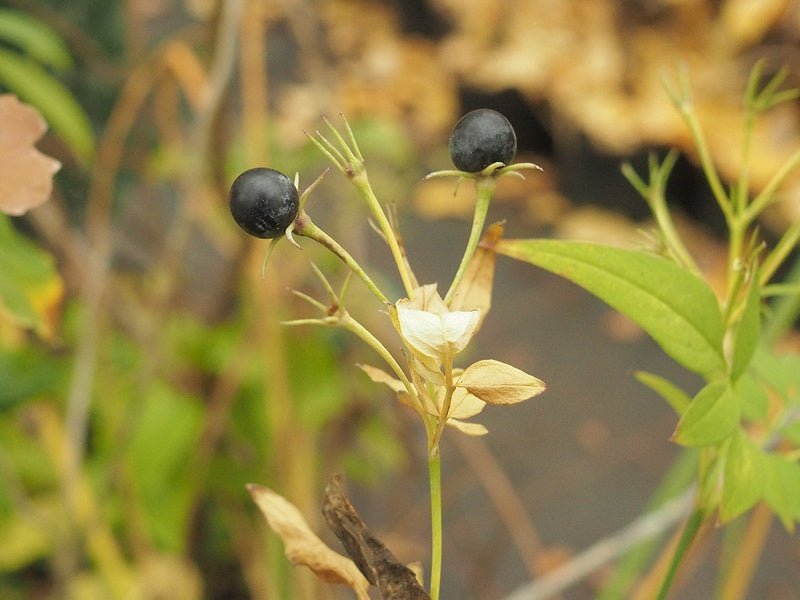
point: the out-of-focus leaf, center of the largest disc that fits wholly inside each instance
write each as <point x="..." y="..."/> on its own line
<point x="743" y="480"/>
<point x="28" y="374"/>
<point x="675" y="396"/>
<point x="26" y="538"/>
<point x="56" y="103"/>
<point x="781" y="372"/>
<point x="711" y="416"/>
<point x="752" y="397"/>
<point x="26" y="175"/>
<point x="302" y="546"/>
<point x="34" y="38"/>
<point x="30" y="288"/>
<point x="677" y="308"/>
<point x="163" y="439"/>
<point x="782" y="490"/>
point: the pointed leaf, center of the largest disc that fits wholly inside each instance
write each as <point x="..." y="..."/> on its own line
<point x="473" y="429"/>
<point x="675" y="396"/>
<point x="712" y="416"/>
<point x="747" y="330"/>
<point x="743" y="481"/>
<point x="474" y="291"/>
<point x="302" y="546"/>
<point x="674" y="306"/>
<point x="380" y="376"/>
<point x="495" y="382"/>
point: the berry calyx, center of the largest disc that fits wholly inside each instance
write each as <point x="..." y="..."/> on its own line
<point x="480" y="138"/>
<point x="263" y="202"/>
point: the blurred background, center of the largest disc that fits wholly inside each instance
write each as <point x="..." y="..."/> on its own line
<point x="150" y="380"/>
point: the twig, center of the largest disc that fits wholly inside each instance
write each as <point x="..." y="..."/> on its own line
<point x="606" y="550"/>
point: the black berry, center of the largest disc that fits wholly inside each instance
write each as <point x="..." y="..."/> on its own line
<point x="263" y="202"/>
<point x="480" y="138"/>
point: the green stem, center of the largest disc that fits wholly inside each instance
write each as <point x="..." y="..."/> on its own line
<point x="689" y="533"/>
<point x="363" y="186"/>
<point x="435" y="477"/>
<point x="484" y="188"/>
<point x="364" y="334"/>
<point x="307" y="228"/>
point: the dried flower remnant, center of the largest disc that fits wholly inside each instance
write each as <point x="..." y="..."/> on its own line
<point x="26" y="175"/>
<point x="302" y="546"/>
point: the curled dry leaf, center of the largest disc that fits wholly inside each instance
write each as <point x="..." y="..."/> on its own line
<point x="302" y="546"/>
<point x="495" y="382"/>
<point x="26" y="175"/>
<point x="394" y="580"/>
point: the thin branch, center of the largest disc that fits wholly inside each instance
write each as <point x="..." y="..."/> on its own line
<point x="606" y="550"/>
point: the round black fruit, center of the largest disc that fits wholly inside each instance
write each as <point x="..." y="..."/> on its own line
<point x="263" y="202"/>
<point x="480" y="138"/>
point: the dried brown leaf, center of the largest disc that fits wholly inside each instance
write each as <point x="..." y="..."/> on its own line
<point x="302" y="546"/>
<point x="394" y="580"/>
<point x="495" y="382"/>
<point x="26" y="175"/>
<point x="474" y="291"/>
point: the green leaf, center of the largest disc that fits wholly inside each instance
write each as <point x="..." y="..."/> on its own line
<point x="712" y="416"/>
<point x="674" y="306"/>
<point x="753" y="397"/>
<point x="34" y="38"/>
<point x="675" y="396"/>
<point x="781" y="372"/>
<point x="747" y="331"/>
<point x="743" y="480"/>
<point x="30" y="288"/>
<point x="163" y="440"/>
<point x="782" y="490"/>
<point x="26" y="78"/>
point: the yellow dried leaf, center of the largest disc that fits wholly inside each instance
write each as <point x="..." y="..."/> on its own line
<point x="475" y="429"/>
<point x="474" y="291"/>
<point x="495" y="382"/>
<point x="302" y="546"/>
<point x="26" y="175"/>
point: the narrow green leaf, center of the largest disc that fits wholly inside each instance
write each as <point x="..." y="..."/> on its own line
<point x="34" y="38"/>
<point x="675" y="396"/>
<point x="30" y="82"/>
<point x="782" y="490"/>
<point x="674" y="306"/>
<point x="743" y="481"/>
<point x="712" y="416"/>
<point x="748" y="330"/>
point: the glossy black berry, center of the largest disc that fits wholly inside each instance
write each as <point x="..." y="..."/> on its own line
<point x="480" y="138"/>
<point x="263" y="202"/>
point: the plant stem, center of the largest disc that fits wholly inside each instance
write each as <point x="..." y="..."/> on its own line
<point x="689" y="533"/>
<point x="484" y="188"/>
<point x="435" y="477"/>
<point x="363" y="186"/>
<point x="310" y="230"/>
